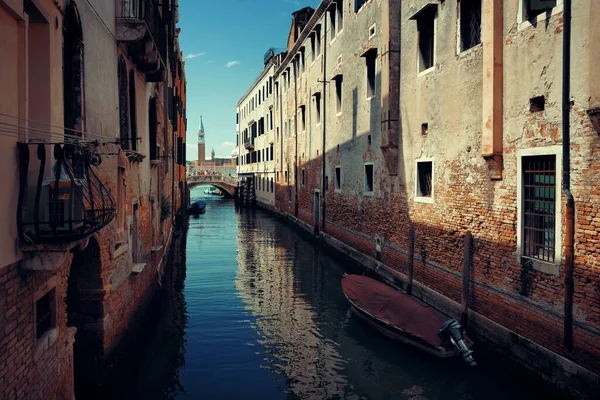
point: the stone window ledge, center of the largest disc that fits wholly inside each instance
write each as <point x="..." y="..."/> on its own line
<point x="138" y="268"/>
<point x="134" y="156"/>
<point x="426" y="200"/>
<point x="119" y="251"/>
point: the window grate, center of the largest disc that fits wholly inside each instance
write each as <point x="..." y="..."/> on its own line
<point x="539" y="193"/>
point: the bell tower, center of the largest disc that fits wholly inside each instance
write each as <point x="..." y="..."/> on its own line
<point x="201" y="144"/>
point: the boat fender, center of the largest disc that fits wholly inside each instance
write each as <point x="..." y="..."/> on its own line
<point x="452" y="330"/>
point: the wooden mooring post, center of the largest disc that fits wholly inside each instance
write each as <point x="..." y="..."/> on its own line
<point x="466" y="278"/>
<point x="411" y="258"/>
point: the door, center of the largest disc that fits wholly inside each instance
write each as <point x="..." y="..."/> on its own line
<point x="316" y="212"/>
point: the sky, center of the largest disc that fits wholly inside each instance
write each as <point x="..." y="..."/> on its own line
<point x="223" y="45"/>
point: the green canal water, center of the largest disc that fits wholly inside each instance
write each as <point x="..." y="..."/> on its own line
<point x="255" y="311"/>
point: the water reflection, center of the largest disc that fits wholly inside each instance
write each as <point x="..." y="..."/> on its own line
<point x="285" y="318"/>
<point x="303" y="322"/>
<point x="254" y="311"/>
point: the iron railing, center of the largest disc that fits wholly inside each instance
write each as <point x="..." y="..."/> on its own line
<point x="61" y="199"/>
<point x="148" y="12"/>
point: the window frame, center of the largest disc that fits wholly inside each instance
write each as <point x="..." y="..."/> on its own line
<point x="419" y="18"/>
<point x="459" y="33"/>
<point x="371" y="90"/>
<point x="417" y="197"/>
<point x="525" y="22"/>
<point x="540" y="265"/>
<point x="338" y="184"/>
<point x="339" y="94"/>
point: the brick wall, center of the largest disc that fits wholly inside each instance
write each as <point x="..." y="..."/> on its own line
<point x="28" y="367"/>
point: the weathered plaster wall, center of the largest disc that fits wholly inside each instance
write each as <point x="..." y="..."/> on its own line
<point x="263" y="170"/>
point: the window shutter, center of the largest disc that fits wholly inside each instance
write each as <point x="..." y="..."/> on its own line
<point x="170" y="103"/>
<point x="179" y="150"/>
<point x="542" y="5"/>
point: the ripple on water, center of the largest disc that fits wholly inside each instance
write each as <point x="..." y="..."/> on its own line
<point x="265" y="318"/>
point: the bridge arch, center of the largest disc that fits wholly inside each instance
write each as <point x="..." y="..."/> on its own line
<point x="226" y="184"/>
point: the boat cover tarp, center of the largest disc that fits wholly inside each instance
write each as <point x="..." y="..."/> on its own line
<point x="394" y="308"/>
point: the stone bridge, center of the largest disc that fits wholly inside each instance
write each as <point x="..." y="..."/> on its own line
<point x="227" y="184"/>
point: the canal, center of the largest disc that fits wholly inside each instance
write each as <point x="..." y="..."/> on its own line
<point x="255" y="311"/>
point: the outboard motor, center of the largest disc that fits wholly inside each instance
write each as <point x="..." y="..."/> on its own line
<point x="451" y="330"/>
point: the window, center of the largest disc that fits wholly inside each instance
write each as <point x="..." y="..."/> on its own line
<point x="533" y="8"/>
<point x="271" y="152"/>
<point x="358" y="4"/>
<point x="426" y="30"/>
<point x="272" y="186"/>
<point x="539" y="207"/>
<point x="424" y="189"/>
<point x="332" y="14"/>
<point x="153" y="128"/>
<point x="368" y="178"/>
<point x="338" y="94"/>
<point x="318" y="38"/>
<point x="371" y="59"/>
<point x="317" y="100"/>
<point x="271" y="119"/>
<point x="340" y="15"/>
<point x="301" y="60"/>
<point x="123" y="104"/>
<point x="287" y="178"/>
<point x="45" y="313"/>
<point x="338" y="179"/>
<point x="372" y="30"/>
<point x="470" y="23"/>
<point x="303" y="176"/>
<point x="132" y="111"/>
<point x="312" y="47"/>
<point x="121" y="204"/>
<point x="303" y="118"/>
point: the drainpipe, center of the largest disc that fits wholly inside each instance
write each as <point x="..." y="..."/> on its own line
<point x="323" y="188"/>
<point x="296" y="137"/>
<point x="570" y="215"/>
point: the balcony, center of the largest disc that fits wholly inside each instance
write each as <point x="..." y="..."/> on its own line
<point x="249" y="144"/>
<point x="142" y="27"/>
<point x="61" y="200"/>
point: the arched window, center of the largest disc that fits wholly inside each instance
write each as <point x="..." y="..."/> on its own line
<point x="73" y="71"/>
<point x="123" y="104"/>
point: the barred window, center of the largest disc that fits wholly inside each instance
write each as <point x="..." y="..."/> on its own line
<point x="539" y="207"/>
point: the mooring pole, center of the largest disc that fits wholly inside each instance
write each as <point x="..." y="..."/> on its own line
<point x="466" y="279"/>
<point x="411" y="258"/>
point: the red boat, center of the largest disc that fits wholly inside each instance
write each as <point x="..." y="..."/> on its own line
<point x="404" y="318"/>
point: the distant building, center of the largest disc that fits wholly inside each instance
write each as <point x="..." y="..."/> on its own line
<point x="216" y="165"/>
<point x="255" y="120"/>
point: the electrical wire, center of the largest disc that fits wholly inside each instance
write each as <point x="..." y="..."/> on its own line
<point x="61" y="128"/>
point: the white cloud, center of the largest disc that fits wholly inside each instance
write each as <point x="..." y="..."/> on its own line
<point x="231" y="64"/>
<point x="227" y="144"/>
<point x="210" y="61"/>
<point x="194" y="55"/>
